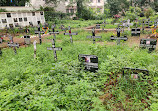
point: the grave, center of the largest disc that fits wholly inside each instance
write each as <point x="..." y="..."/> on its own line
<point x="54" y="49"/>
<point x="134" y="72"/>
<point x="53" y="31"/>
<point x="70" y="34"/>
<point x="97" y="26"/>
<point x="93" y="36"/>
<point x="135" y="32"/>
<point x="118" y="38"/>
<point x="39" y="33"/>
<point x="27" y="39"/>
<point x="14" y="45"/>
<point x="1" y="40"/>
<point x="90" y="62"/>
<point x="149" y="44"/>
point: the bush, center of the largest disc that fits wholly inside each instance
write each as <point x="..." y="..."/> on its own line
<point x="149" y="12"/>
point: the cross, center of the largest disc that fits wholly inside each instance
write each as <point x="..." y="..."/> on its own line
<point x="63" y="28"/>
<point x="135" y="31"/>
<point x="128" y="24"/>
<point x="39" y="33"/>
<point x="53" y="31"/>
<point x="70" y="34"/>
<point x="14" y="45"/>
<point x="93" y="36"/>
<point x="150" y="44"/>
<point x="34" y="44"/>
<point x="143" y="22"/>
<point x="54" y="49"/>
<point x="118" y="38"/>
<point x="90" y="62"/>
<point x="104" y="24"/>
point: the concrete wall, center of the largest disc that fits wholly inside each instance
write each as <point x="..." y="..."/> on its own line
<point x="22" y="19"/>
<point x="17" y="8"/>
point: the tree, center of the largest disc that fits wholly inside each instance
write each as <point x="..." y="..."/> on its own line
<point x="117" y="6"/>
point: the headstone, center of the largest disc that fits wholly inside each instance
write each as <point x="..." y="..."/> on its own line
<point x="54" y="49"/>
<point x="134" y="72"/>
<point x="89" y="61"/>
<point x="150" y="44"/>
<point x="93" y="36"/>
<point x="70" y="34"/>
<point x="98" y="26"/>
<point x="27" y="39"/>
<point x="14" y="45"/>
<point x="53" y="31"/>
<point x="135" y="31"/>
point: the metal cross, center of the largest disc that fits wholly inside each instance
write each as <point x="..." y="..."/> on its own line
<point x="54" y="49"/>
<point x="14" y="45"/>
<point x="93" y="36"/>
<point x="53" y="31"/>
<point x="70" y="34"/>
<point x="39" y="33"/>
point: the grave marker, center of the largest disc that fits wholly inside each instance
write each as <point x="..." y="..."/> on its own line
<point x="70" y="34"/>
<point x="93" y="36"/>
<point x="97" y="26"/>
<point x="150" y="44"/>
<point x="118" y="38"/>
<point x="53" y="31"/>
<point x="14" y="45"/>
<point x="134" y="72"/>
<point x="135" y="32"/>
<point x="34" y="44"/>
<point x="54" y="49"/>
<point x="27" y="39"/>
<point x="39" y="33"/>
<point x="89" y="61"/>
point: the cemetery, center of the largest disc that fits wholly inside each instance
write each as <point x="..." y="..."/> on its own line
<point x="90" y="59"/>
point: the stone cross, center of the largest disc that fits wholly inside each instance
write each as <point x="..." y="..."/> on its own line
<point x="93" y="36"/>
<point x="70" y="34"/>
<point x="54" y="49"/>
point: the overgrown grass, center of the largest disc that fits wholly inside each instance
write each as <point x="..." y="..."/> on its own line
<point x="43" y="84"/>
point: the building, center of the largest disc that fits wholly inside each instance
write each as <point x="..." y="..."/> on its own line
<point x="21" y="19"/>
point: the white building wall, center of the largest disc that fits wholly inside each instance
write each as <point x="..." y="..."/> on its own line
<point x="21" y="18"/>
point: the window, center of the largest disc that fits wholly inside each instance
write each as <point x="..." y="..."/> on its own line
<point x="72" y="10"/>
<point x="67" y="10"/>
<point x="20" y="19"/>
<point x="15" y="20"/>
<point x="33" y="13"/>
<point x="25" y="18"/>
<point x="98" y="1"/>
<point x="41" y="13"/>
<point x="8" y="14"/>
<point x="4" y="21"/>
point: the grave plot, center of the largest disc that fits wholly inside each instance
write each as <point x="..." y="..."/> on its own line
<point x="93" y="36"/>
<point x="90" y="62"/>
<point x="149" y="44"/>
<point x="70" y="34"/>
